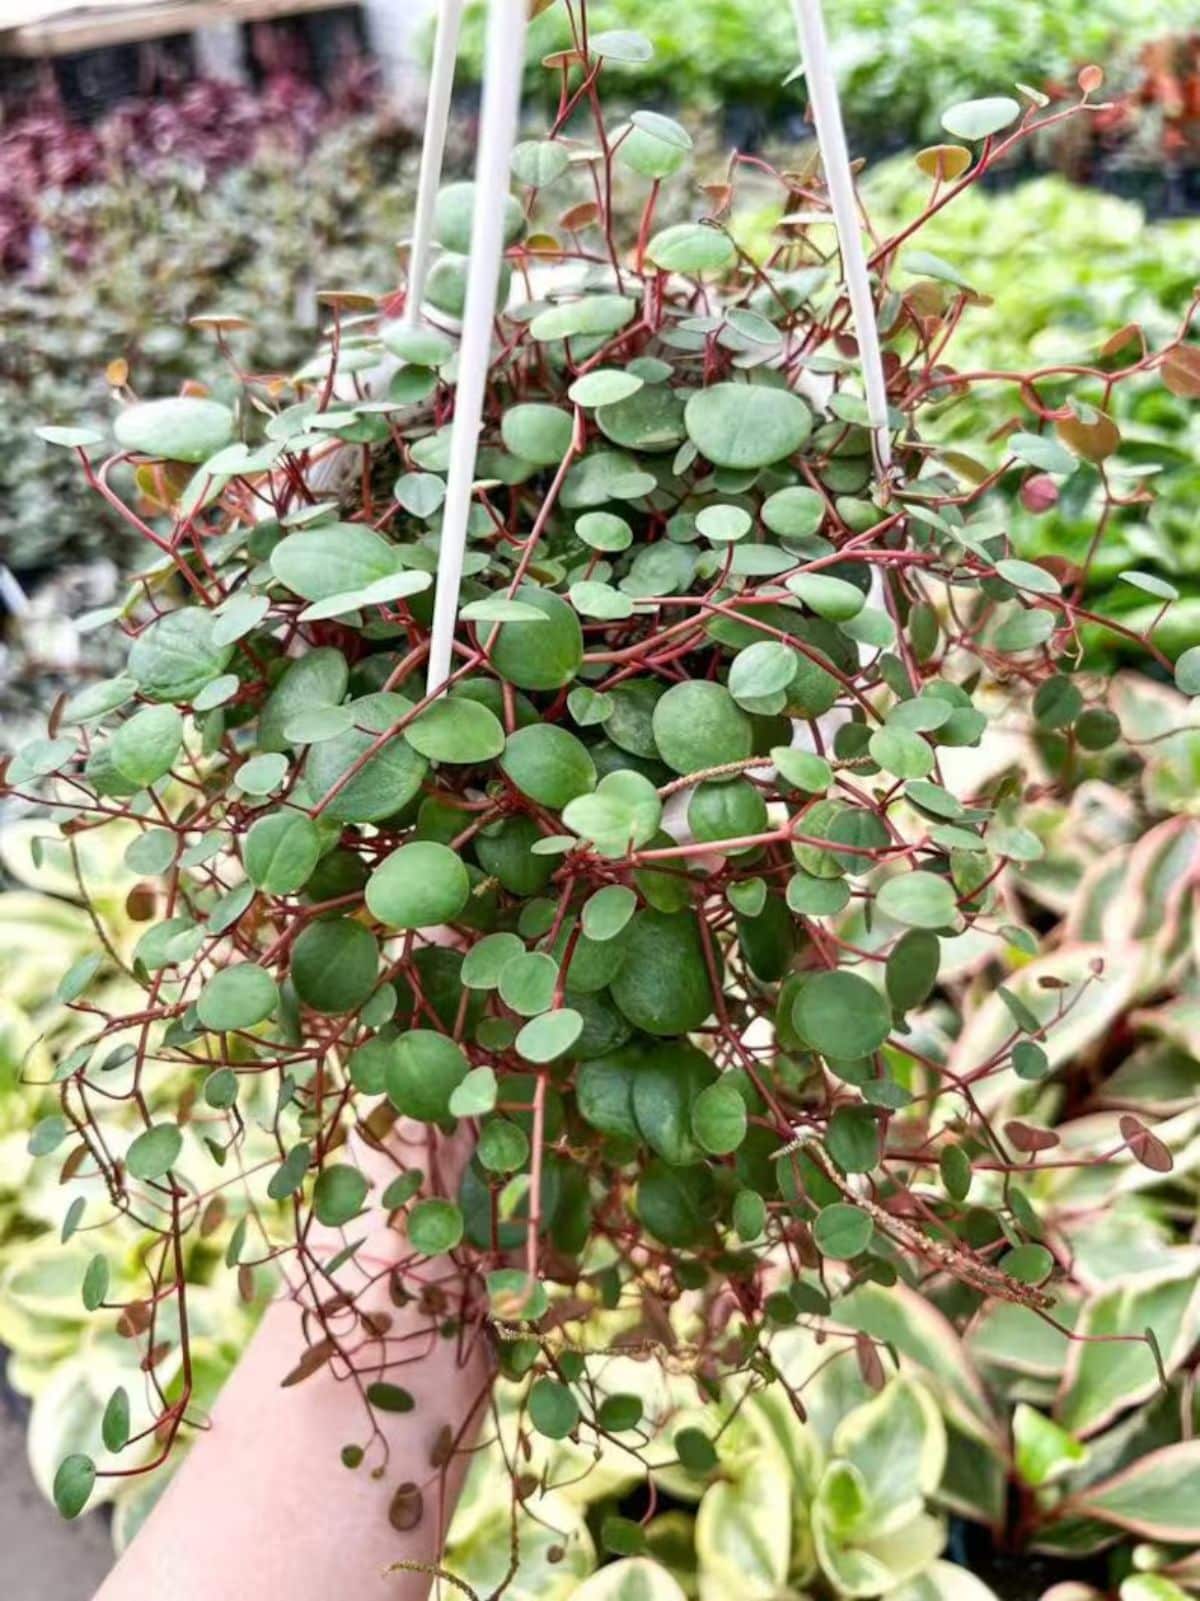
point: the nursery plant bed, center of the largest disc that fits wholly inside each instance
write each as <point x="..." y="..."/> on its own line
<point x="98" y="27"/>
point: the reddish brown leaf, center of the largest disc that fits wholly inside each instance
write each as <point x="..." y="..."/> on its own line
<point x="1123" y="336"/>
<point x="869" y="1364"/>
<point x="155" y="1355"/>
<point x="313" y="1360"/>
<point x="75" y="1160"/>
<point x="407" y="1507"/>
<point x="1181" y="371"/>
<point x="134" y="1320"/>
<point x="1094" y="440"/>
<point x="442" y="1448"/>
<point x="1146" y="1147"/>
<point x="140" y="903"/>
<point x="581" y="216"/>
<point x="1025" y="1137"/>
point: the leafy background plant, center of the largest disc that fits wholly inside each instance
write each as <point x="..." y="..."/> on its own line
<point x="899" y="64"/>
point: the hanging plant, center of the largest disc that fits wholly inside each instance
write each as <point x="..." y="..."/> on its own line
<point x="649" y="897"/>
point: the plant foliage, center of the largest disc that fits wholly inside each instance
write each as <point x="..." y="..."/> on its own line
<point x="655" y="894"/>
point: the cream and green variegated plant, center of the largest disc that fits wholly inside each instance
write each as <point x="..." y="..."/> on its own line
<point x="58" y="1259"/>
<point x="758" y="1503"/>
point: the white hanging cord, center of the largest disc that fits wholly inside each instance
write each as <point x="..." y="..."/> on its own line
<point x="504" y="60"/>
<point x="831" y="140"/>
<point x="437" y="116"/>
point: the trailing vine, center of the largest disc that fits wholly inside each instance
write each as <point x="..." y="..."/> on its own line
<point x="647" y="901"/>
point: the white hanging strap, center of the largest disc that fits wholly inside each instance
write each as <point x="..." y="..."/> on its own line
<point x="831" y="139"/>
<point x="437" y="117"/>
<point x="504" y="62"/>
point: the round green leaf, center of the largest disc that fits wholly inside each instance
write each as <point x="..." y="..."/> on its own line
<point x="114" y="1425"/>
<point x="1028" y="1264"/>
<point x="696" y="1452"/>
<point x="723" y="524"/>
<point x="95" y="1283"/>
<point x="418" y="886"/>
<point x="420" y="347"/>
<point x="73" y="1484"/>
<point x="617" y="1413"/>
<point x="176" y="656"/>
<point x="607" y="912"/>
<point x="453" y="211"/>
<point x="80" y="974"/>
<point x="262" y="774"/>
<point x="604" y="386"/>
<point x="749" y="1215"/>
<point x="527" y="983"/>
<point x="553" y="1410"/>
<point x="691" y="247"/>
<point x="853" y="1139"/>
<point x="476" y="1095"/>
<point x="334" y="559"/>
<point x="335" y="965"/>
<point x="794" y="513"/>
<point x="543" y="655"/>
<point x="548" y="764"/>
<point x="698" y="725"/>
<point x="237" y="997"/>
<point x="424" y="1071"/>
<point x="539" y="162"/>
<point x="546" y="1038"/>
<point x="829" y="597"/>
<point x="389" y="778"/>
<point x="155" y="1152"/>
<point x="180" y="428"/>
<point x="487" y="959"/>
<point x="47" y="1135"/>
<point x="719" y="1119"/>
<point x="746" y="426"/>
<point x="842" y="1231"/>
<point x="624" y="810"/>
<point x="456" y="729"/>
<point x="663" y="986"/>
<point x="71" y="438"/>
<point x="976" y="119"/>
<point x="912" y="968"/>
<point x="338" y="1194"/>
<point x="604" y="530"/>
<point x="1187" y="671"/>
<point x="503" y="1146"/>
<point x="920" y="900"/>
<point x="673" y="1203"/>
<point x="840" y="1015"/>
<point x="761" y="670"/>
<point x="901" y="752"/>
<point x="538" y="433"/>
<point x="389" y="1397"/>
<point x="435" y="1226"/>
<point x="655" y="146"/>
<point x="144" y="748"/>
<point x="281" y="851"/>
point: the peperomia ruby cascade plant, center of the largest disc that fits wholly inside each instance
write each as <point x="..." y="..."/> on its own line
<point x="649" y="900"/>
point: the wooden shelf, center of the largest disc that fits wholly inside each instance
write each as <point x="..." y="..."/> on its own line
<point x="92" y="28"/>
